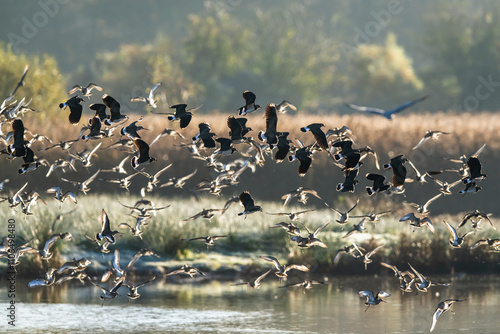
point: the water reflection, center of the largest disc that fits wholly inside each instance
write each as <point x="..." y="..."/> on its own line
<point x="217" y="307"/>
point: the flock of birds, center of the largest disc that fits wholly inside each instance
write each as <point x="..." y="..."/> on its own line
<point x="211" y="149"/>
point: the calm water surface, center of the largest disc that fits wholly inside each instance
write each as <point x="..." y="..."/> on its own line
<point x="218" y="307"/>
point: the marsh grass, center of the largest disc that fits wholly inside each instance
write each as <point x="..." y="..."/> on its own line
<point x="247" y="237"/>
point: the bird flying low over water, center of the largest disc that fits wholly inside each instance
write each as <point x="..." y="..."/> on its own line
<point x="282" y="270"/>
<point x="386" y="113"/>
<point x="256" y="283"/>
<point x="373" y="299"/>
<point x="442" y="308"/>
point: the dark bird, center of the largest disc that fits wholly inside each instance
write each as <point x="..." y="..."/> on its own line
<point x="304" y="156"/>
<point x="106" y="232"/>
<point x="250" y="105"/>
<point x="238" y="128"/>
<point x="470" y="188"/>
<point x="75" y="109"/>
<point x="372" y="299"/>
<point x="386" y="113"/>
<point x="349" y="182"/>
<point x="150" y="100"/>
<point x="247" y="201"/>
<point x="205" y="135"/>
<point x="181" y="114"/>
<point x="18" y="148"/>
<point x="143" y="156"/>
<point x="30" y="162"/>
<point x="442" y="308"/>
<point x="95" y="129"/>
<point x="100" y="111"/>
<point x="132" y="129"/>
<point x="86" y="91"/>
<point x="345" y="147"/>
<point x="379" y="184"/>
<point x="398" y="170"/>
<point x="283" y="147"/>
<point x="474" y="168"/>
<point x="270" y="136"/>
<point x="256" y="283"/>
<point x="226" y="147"/>
<point x="318" y="134"/>
<point x="114" y="108"/>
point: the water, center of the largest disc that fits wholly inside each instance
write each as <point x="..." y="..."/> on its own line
<point x="218" y="307"/>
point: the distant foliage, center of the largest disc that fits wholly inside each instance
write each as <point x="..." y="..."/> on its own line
<point x="381" y="70"/>
<point x="44" y="85"/>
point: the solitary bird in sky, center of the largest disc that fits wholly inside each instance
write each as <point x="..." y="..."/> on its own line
<point x="386" y="113"/>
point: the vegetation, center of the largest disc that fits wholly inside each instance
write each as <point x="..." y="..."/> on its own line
<point x="317" y="54"/>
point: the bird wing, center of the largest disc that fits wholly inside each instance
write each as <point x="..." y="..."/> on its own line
<point x="435" y="316"/>
<point x="408" y="104"/>
<point x="273" y="260"/>
<point x="300" y="267"/>
<point x="90" y="179"/>
<point x="452" y="230"/>
<point x="116" y="261"/>
<point x="50" y="242"/>
<point x="365" y="109"/>
<point x="261" y="277"/>
<point x="319" y="229"/>
<point x="373" y="251"/>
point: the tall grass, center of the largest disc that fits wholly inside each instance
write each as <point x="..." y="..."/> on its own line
<point x="247" y="237"/>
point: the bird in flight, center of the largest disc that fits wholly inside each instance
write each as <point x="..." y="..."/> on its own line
<point x="386" y="113"/>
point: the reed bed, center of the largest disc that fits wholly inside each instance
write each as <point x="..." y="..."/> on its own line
<point x="247" y="237"/>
